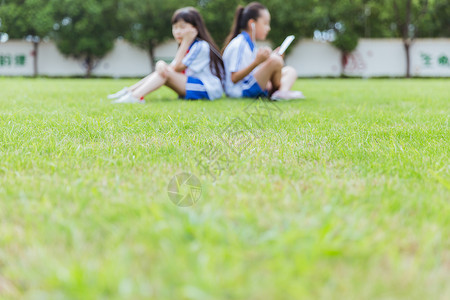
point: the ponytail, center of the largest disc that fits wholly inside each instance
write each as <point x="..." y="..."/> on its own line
<point x="241" y="18"/>
<point x="236" y="28"/>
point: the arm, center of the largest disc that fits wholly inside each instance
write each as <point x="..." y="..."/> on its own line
<point x="261" y="56"/>
<point x="188" y="38"/>
<point x="239" y="75"/>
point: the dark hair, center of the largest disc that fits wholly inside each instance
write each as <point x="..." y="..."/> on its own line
<point x="192" y="16"/>
<point x="241" y="18"/>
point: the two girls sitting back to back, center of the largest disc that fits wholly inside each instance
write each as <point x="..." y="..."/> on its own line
<point x="198" y="71"/>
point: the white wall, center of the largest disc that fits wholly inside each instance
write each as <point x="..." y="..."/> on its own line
<point x="433" y="51"/>
<point x="52" y="63"/>
<point x="372" y="58"/>
<point x="9" y="52"/>
<point x="124" y="61"/>
<point x="377" y="57"/>
<point x="313" y="58"/>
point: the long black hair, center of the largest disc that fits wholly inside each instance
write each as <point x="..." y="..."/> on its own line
<point x="192" y="16"/>
<point x="241" y="18"/>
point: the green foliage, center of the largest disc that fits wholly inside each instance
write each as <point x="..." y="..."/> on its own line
<point x="343" y="17"/>
<point x="218" y="16"/>
<point x="436" y="23"/>
<point x="147" y="23"/>
<point x="31" y="19"/>
<point x="20" y="18"/>
<point x="346" y="41"/>
<point x="87" y="29"/>
<point x="289" y="17"/>
<point x="406" y="15"/>
<point x="375" y="20"/>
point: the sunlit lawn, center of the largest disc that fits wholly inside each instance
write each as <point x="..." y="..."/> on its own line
<point x="344" y="195"/>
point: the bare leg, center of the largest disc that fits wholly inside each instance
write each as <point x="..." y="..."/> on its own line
<point x="139" y="83"/>
<point x="284" y="92"/>
<point x="163" y="76"/>
<point x="270" y="71"/>
<point x="133" y="87"/>
<point x="177" y="82"/>
<point x="151" y="83"/>
<point x="288" y="77"/>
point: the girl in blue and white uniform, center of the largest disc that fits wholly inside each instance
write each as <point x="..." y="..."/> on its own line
<point x="197" y="70"/>
<point x="252" y="72"/>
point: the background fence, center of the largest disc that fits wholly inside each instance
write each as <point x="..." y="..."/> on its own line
<point x="372" y="58"/>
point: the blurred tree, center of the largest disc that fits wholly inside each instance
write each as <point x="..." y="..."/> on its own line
<point x="290" y="17"/>
<point x="341" y="22"/>
<point x="86" y="29"/>
<point x="436" y="22"/>
<point x="348" y="20"/>
<point x="287" y="17"/>
<point x="147" y="23"/>
<point x="29" y="19"/>
<point x="218" y="16"/>
<point x="406" y="17"/>
<point x="372" y="19"/>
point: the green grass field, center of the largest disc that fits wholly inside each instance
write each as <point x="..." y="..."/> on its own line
<point x="344" y="195"/>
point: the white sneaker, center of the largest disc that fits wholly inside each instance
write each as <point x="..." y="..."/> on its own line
<point x="119" y="94"/>
<point x="129" y="98"/>
<point x="287" y="95"/>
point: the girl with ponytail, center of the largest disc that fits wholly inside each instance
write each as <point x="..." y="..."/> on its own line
<point x="252" y="72"/>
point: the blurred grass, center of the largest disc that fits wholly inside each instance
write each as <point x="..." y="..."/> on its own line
<point x="345" y="195"/>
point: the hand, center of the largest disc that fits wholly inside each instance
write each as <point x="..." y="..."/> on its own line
<point x="263" y="54"/>
<point x="190" y="34"/>
<point x="276" y="52"/>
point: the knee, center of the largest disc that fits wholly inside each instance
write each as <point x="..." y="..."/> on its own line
<point x="289" y="71"/>
<point x="276" y="61"/>
<point x="162" y="68"/>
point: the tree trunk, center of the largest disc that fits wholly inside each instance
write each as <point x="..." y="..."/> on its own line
<point x="35" y="58"/>
<point x="406" y="37"/>
<point x="151" y="53"/>
<point x="89" y="68"/>
<point x="344" y="58"/>
<point x="407" y="45"/>
<point x="405" y="24"/>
